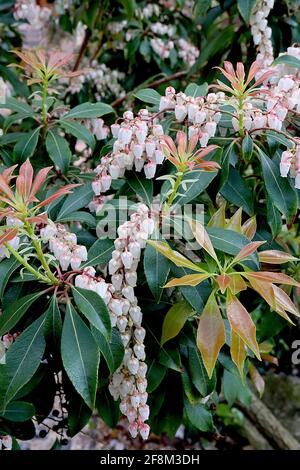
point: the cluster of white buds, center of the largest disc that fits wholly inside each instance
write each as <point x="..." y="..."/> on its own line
<point x="98" y="202"/>
<point x="63" y="244"/>
<point x="6" y="442"/>
<point x="186" y="8"/>
<point x="290" y="164"/>
<point x="88" y="280"/>
<point x="151" y="9"/>
<point x="14" y="243"/>
<point x="35" y="29"/>
<point x="107" y="82"/>
<point x="129" y="382"/>
<point x="262" y="33"/>
<point x="187" y="52"/>
<point x="5" y="342"/>
<point x="5" y="92"/>
<point x="137" y="145"/>
<point x="98" y="128"/>
<point x="162" y="47"/>
<point x="201" y="113"/>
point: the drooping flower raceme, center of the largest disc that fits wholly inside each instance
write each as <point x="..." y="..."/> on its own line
<point x="129" y="381"/>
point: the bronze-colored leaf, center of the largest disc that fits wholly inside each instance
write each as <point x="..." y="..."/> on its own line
<point x="238" y="352"/>
<point x="210" y="334"/>
<point x="247" y="250"/>
<point x="202" y="238"/>
<point x="174" y="256"/>
<point x="275" y="257"/>
<point x="241" y="323"/>
<point x="237" y="283"/>
<point x="276" y="278"/>
<point x="223" y="281"/>
<point x="188" y="280"/>
<point x="249" y="227"/>
<point x="257" y="379"/>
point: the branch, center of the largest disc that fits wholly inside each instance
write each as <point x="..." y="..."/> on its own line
<point x="182" y="73"/>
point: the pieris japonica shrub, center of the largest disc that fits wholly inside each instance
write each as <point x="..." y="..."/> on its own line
<point x="149" y="257"/>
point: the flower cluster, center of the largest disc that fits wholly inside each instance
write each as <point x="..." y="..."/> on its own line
<point x="88" y="280"/>
<point x="137" y="145"/>
<point x="6" y="442"/>
<point x="290" y="163"/>
<point x="14" y="242"/>
<point x="201" y="113"/>
<point x="35" y="27"/>
<point x="5" y="92"/>
<point x="98" y="128"/>
<point x="105" y="80"/>
<point x="129" y="382"/>
<point x="63" y="244"/>
<point x="262" y="33"/>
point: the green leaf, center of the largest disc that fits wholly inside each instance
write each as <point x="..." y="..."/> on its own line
<point x="79" y="198"/>
<point x="175" y="320"/>
<point x="169" y="356"/>
<point x="80" y="356"/>
<point x="198" y="416"/>
<point x="92" y="306"/>
<point x="79" y="415"/>
<point x="17" y="106"/>
<point x="234" y="389"/>
<point x="156" y="267"/>
<point x="80" y="216"/>
<point x="113" y="350"/>
<point x="283" y="196"/>
<point x="129" y="7"/>
<point x="198" y="181"/>
<point x="53" y="323"/>
<point x="155" y="375"/>
<point x="197" y="295"/>
<point x="108" y="408"/>
<point x="201" y="7"/>
<point x="247" y="147"/>
<point x="7" y="267"/>
<point x="198" y="373"/>
<point x="237" y="192"/>
<point x="228" y="241"/>
<point x="88" y="111"/>
<point x="274" y="218"/>
<point x="148" y="95"/>
<point x="142" y="187"/>
<point x="195" y="90"/>
<point x="245" y="8"/>
<point x="58" y="149"/>
<point x="18" y="411"/>
<point x="15" y="311"/>
<point x="289" y="60"/>
<point x="26" y="146"/>
<point x="79" y="131"/>
<point x="100" y="252"/>
<point x="22" y="360"/>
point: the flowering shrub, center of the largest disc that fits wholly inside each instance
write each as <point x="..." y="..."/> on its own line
<point x="137" y="245"/>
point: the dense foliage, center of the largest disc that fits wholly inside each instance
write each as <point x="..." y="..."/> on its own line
<point x="149" y="207"/>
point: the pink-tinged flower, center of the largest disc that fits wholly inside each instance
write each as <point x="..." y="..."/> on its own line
<point x="19" y="199"/>
<point x="183" y="156"/>
<point x="240" y="84"/>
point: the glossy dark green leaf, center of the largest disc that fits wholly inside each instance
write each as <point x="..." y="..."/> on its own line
<point x="237" y="192"/>
<point x="245" y="8"/>
<point x="58" y="150"/>
<point x="22" y="360"/>
<point x="157" y="268"/>
<point x="247" y="147"/>
<point x="113" y="350"/>
<point x="80" y="356"/>
<point x="18" y="411"/>
<point x="198" y="373"/>
<point x="26" y="145"/>
<point x="100" y="252"/>
<point x="283" y="196"/>
<point x="199" y="416"/>
<point x="141" y="186"/>
<point x="92" y="306"/>
<point x="88" y="111"/>
<point x="155" y="375"/>
<point x="195" y="90"/>
<point x="80" y="216"/>
<point x="108" y="408"/>
<point x="274" y="218"/>
<point x="79" y="131"/>
<point x="148" y="95"/>
<point x="78" y="199"/>
<point x="15" y="311"/>
<point x="53" y="323"/>
<point x="7" y="267"/>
